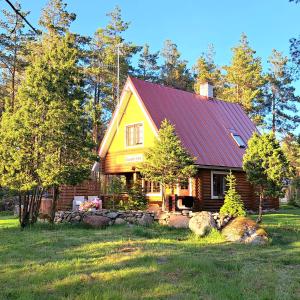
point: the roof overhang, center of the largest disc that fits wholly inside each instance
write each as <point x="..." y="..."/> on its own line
<point x="212" y="167"/>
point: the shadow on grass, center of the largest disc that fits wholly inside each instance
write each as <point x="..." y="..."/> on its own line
<point x="122" y="262"/>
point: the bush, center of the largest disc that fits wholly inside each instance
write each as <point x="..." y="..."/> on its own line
<point x="136" y="198"/>
<point x="233" y="205"/>
<point x="115" y="188"/>
<point x="295" y="192"/>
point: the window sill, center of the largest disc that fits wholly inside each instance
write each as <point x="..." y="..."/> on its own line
<point x="217" y="198"/>
<point x="153" y="194"/>
<point x="135" y="146"/>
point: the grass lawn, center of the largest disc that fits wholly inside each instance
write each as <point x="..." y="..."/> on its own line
<point x="122" y="262"/>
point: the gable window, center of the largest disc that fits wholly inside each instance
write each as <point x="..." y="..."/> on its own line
<point x="134" y="135"/>
<point x="237" y="138"/>
<point x="218" y="184"/>
<point x="152" y="187"/>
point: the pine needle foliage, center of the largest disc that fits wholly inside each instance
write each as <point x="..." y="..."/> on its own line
<point x="233" y="205"/>
<point x="168" y="162"/>
<point x="244" y="80"/>
<point x="266" y="166"/>
<point x="45" y="142"/>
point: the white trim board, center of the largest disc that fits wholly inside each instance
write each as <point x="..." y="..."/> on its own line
<point x="212" y="172"/>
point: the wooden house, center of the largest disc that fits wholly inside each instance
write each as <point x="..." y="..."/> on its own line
<point x="215" y="132"/>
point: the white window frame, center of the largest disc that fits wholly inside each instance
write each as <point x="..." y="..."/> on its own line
<point x="132" y="124"/>
<point x="240" y="146"/>
<point x="190" y="187"/>
<point x="212" y="183"/>
<point x="152" y="194"/>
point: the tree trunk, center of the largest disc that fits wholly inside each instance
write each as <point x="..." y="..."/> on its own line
<point x="20" y="208"/>
<point x="163" y="206"/>
<point x="37" y="205"/>
<point x="25" y="214"/>
<point x="29" y="206"/>
<point x="54" y="203"/>
<point x="273" y="117"/>
<point x="260" y="208"/>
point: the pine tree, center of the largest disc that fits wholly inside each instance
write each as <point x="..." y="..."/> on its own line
<point x="233" y="205"/>
<point x="207" y="71"/>
<point x="280" y="95"/>
<point x="291" y="148"/>
<point x="45" y="142"/>
<point x="244" y="80"/>
<point x="266" y="167"/>
<point x="174" y="71"/>
<point x="55" y="18"/>
<point x="103" y="70"/>
<point x="147" y="65"/>
<point x="13" y="40"/>
<point x="168" y="162"/>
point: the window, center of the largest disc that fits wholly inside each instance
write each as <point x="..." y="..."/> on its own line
<point x="237" y="138"/>
<point x="218" y="185"/>
<point x="184" y="185"/>
<point x="134" y="135"/>
<point x="152" y="187"/>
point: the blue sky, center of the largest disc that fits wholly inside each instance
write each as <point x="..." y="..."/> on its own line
<point x="191" y="24"/>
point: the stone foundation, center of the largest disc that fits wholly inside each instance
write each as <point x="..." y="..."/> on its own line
<point x="171" y="219"/>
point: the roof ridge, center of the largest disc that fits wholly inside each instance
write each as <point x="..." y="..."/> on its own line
<point x="204" y="98"/>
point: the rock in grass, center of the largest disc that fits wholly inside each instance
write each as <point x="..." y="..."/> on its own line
<point x="179" y="221"/>
<point x="112" y="215"/>
<point x="245" y="230"/>
<point x="145" y="220"/>
<point x="96" y="221"/>
<point x="202" y="223"/>
<point x="120" y="221"/>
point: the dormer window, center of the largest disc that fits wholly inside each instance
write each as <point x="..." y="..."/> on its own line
<point x="134" y="135"/>
<point x="237" y="138"/>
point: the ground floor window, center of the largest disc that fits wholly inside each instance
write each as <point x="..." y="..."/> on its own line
<point x="152" y="187"/>
<point x="218" y="184"/>
<point x="184" y="185"/>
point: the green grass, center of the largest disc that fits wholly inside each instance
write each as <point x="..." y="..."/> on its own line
<point x="130" y="262"/>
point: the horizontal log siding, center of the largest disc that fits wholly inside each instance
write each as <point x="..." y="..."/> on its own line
<point x="244" y="188"/>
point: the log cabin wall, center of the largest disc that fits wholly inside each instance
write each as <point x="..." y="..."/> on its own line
<point x="204" y="200"/>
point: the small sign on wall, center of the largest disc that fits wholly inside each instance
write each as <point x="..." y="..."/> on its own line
<point x="133" y="158"/>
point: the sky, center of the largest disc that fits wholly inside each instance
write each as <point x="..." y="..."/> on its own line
<point x="191" y="24"/>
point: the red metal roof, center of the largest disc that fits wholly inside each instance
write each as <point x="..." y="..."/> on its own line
<point x="203" y="125"/>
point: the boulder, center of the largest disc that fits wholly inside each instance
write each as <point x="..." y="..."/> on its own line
<point x="120" y="221"/>
<point x="161" y="215"/>
<point x="202" y="223"/>
<point x="178" y="221"/>
<point x="77" y="218"/>
<point x="245" y="230"/>
<point x="112" y="215"/>
<point x="145" y="220"/>
<point x="96" y="221"/>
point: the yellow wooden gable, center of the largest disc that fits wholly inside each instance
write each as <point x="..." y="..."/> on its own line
<point x="117" y="156"/>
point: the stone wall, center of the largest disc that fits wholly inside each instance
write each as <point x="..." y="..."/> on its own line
<point x="114" y="217"/>
<point x="144" y="218"/>
<point x="181" y="219"/>
<point x="240" y="229"/>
